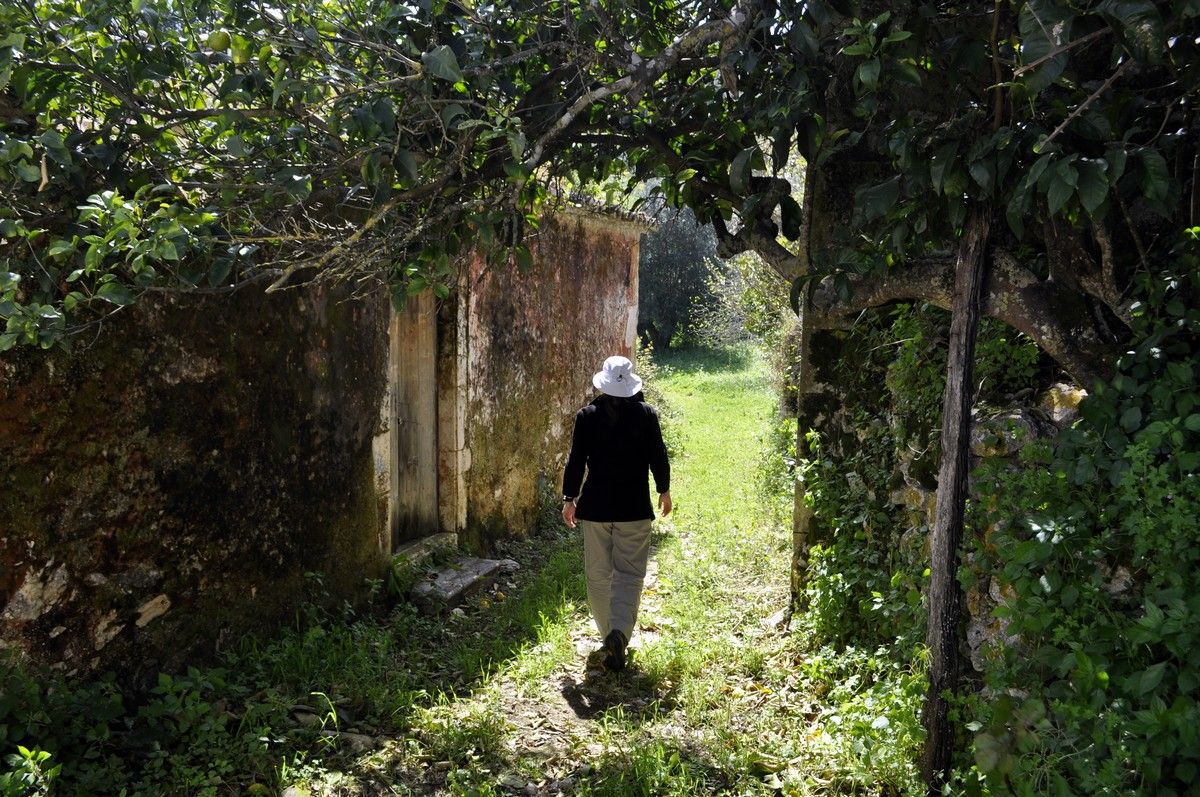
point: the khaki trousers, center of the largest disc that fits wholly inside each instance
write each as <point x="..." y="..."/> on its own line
<point x="614" y="559"/>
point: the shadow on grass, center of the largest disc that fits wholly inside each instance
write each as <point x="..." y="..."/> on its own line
<point x="634" y="691"/>
<point x="693" y="359"/>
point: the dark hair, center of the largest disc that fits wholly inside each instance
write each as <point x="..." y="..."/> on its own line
<point x="613" y="405"/>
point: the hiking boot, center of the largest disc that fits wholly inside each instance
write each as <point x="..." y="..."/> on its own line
<point x="614" y="650"/>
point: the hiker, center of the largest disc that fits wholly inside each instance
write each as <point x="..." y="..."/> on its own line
<point x="618" y="439"/>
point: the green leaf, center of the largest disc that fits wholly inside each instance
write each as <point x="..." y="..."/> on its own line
<point x="441" y="62"/>
<point x="116" y="293"/>
<point x="868" y="73"/>
<point x="1038" y="169"/>
<point x="452" y="112"/>
<point x="908" y="72"/>
<point x="406" y="163"/>
<point x="804" y="36"/>
<point x="1044" y="26"/>
<point x="1092" y="187"/>
<point x="1155" y="177"/>
<point x="1131" y="419"/>
<point x="235" y="147"/>
<point x="218" y="272"/>
<point x="516" y="143"/>
<point x="243" y="50"/>
<point x="989" y="752"/>
<point x="873" y="202"/>
<point x="1015" y="214"/>
<point x="28" y="172"/>
<point x="808" y="136"/>
<point x="52" y="139"/>
<point x="1192" y="423"/>
<point x="983" y="172"/>
<point x="524" y="258"/>
<point x="61" y="247"/>
<point x="740" y="171"/>
<point x="399" y="297"/>
<point x="1148" y="679"/>
<point x="1139" y="24"/>
<point x="1060" y="192"/>
<point x="942" y="158"/>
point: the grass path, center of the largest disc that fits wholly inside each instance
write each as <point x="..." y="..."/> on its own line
<point x="549" y="722"/>
<point x="719" y="698"/>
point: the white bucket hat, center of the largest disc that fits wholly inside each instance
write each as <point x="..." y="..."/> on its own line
<point x="617" y="378"/>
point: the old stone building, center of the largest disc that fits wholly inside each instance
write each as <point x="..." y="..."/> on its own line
<point x="187" y="472"/>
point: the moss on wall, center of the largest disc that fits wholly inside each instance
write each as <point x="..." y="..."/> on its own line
<point x="165" y="486"/>
<point x="536" y="337"/>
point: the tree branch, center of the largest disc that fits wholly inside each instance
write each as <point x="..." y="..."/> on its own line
<point x="646" y="73"/>
<point x="1054" y="316"/>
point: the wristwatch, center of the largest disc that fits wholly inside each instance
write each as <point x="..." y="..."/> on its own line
<point x="568" y="499"/>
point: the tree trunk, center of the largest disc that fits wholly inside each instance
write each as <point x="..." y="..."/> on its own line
<point x="945" y="596"/>
<point x="801" y="512"/>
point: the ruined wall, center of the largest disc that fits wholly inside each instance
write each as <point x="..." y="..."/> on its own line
<point x="165" y="486"/>
<point x="536" y="338"/>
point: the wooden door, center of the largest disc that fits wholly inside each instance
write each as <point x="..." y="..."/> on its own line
<point x="414" y="489"/>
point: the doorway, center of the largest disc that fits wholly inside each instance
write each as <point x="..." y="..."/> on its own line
<point x="426" y="421"/>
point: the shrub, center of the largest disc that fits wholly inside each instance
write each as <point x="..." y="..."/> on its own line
<point x="673" y="278"/>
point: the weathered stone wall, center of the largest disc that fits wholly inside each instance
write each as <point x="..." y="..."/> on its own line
<point x="165" y="486"/>
<point x="536" y="338"/>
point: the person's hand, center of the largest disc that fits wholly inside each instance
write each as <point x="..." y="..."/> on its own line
<point x="664" y="503"/>
<point x="569" y="513"/>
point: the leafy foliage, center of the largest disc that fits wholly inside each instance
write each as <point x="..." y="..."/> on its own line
<point x="197" y="146"/>
<point x="226" y="143"/>
<point x="1096" y="549"/>
<point x="746" y="303"/>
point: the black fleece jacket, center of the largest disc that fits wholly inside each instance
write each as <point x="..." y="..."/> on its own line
<point x="619" y="441"/>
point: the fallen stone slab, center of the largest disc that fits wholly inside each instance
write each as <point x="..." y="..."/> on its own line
<point x="452" y="585"/>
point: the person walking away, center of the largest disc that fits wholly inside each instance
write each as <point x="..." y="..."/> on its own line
<point x="618" y="442"/>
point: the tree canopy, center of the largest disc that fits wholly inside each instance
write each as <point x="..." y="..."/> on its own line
<point x="162" y="145"/>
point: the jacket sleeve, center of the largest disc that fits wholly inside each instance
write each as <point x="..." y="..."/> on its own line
<point x="573" y="477"/>
<point x="660" y="464"/>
